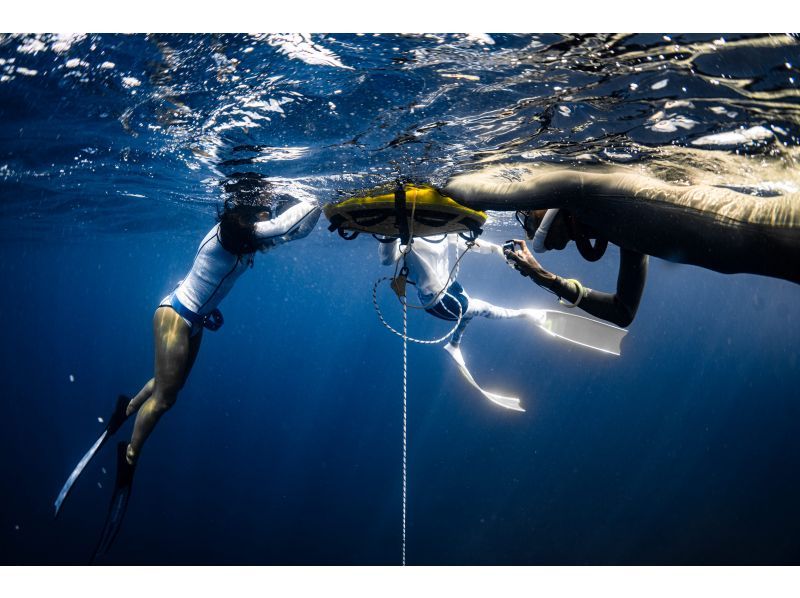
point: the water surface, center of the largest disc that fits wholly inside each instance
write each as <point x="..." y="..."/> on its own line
<point x="285" y="445"/>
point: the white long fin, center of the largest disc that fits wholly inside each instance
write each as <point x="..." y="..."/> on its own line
<point x="506" y="402"/>
<point x="580" y="330"/>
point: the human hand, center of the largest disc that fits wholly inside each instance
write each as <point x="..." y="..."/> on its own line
<point x="522" y="259"/>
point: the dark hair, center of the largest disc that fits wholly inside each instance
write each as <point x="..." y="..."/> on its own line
<point x="247" y="196"/>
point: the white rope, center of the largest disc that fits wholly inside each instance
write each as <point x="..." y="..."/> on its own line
<point x="405" y="422"/>
<point x="403" y="335"/>
<point x="406" y="338"/>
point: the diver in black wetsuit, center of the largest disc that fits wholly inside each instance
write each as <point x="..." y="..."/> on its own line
<point x="713" y="227"/>
<point x="554" y="231"/>
<point x="704" y="225"/>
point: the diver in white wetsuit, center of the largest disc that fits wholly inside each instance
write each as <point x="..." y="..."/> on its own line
<point x="252" y="220"/>
<point x="215" y="269"/>
<point x="428" y="263"/>
<point x="224" y="254"/>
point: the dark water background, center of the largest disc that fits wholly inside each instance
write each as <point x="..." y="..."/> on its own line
<point x="285" y="445"/>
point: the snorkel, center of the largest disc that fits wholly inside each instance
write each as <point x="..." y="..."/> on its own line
<point x="538" y="233"/>
<point x="578" y="233"/>
<point x="544" y="228"/>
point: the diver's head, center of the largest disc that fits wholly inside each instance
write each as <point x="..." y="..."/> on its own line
<point x="554" y="228"/>
<point x="551" y="231"/>
<point x="237" y="227"/>
<point x="249" y="199"/>
<point x="529" y="220"/>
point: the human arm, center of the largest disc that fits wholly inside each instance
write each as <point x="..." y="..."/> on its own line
<point x="481" y="246"/>
<point x="618" y="308"/>
<point x="296" y="222"/>
<point x="389" y="252"/>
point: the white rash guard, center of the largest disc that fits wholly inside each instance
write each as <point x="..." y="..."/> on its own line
<point x="215" y="269"/>
<point x="429" y="267"/>
<point x="429" y="262"/>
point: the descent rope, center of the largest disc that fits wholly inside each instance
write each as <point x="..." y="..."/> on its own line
<point x="405" y="422"/>
<point x="404" y="301"/>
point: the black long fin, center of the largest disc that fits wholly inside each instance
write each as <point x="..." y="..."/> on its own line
<point x="118" y="417"/>
<point x="119" y="502"/>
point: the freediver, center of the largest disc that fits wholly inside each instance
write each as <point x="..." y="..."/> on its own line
<point x="246" y="225"/>
<point x="713" y="227"/>
<point x="428" y="263"/>
<point x="252" y="220"/>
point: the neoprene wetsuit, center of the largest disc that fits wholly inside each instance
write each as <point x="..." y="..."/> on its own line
<point x="704" y="225"/>
<point x="428" y="265"/>
<point x="215" y="269"/>
<point x="618" y="308"/>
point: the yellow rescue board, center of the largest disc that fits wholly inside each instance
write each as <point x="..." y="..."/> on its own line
<point x="428" y="213"/>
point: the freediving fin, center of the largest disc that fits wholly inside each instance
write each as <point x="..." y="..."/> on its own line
<point x="580" y="330"/>
<point x="119" y="501"/>
<point x="511" y="403"/>
<point x="115" y="422"/>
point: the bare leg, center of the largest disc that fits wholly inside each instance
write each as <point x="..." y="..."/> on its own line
<point x="175" y="355"/>
<point x="140" y="398"/>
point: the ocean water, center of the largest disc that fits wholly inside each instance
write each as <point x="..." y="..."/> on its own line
<point x="285" y="446"/>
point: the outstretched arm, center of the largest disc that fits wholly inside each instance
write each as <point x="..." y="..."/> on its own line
<point x="618" y="308"/>
<point x="294" y="223"/>
<point x="481" y="246"/>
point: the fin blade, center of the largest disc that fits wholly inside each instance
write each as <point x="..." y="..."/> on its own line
<point x="580" y="330"/>
<point x="65" y="490"/>
<point x="119" y="502"/>
<point x="511" y="403"/>
<point x="115" y="422"/>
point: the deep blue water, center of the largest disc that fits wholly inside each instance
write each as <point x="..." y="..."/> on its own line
<point x="285" y="444"/>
